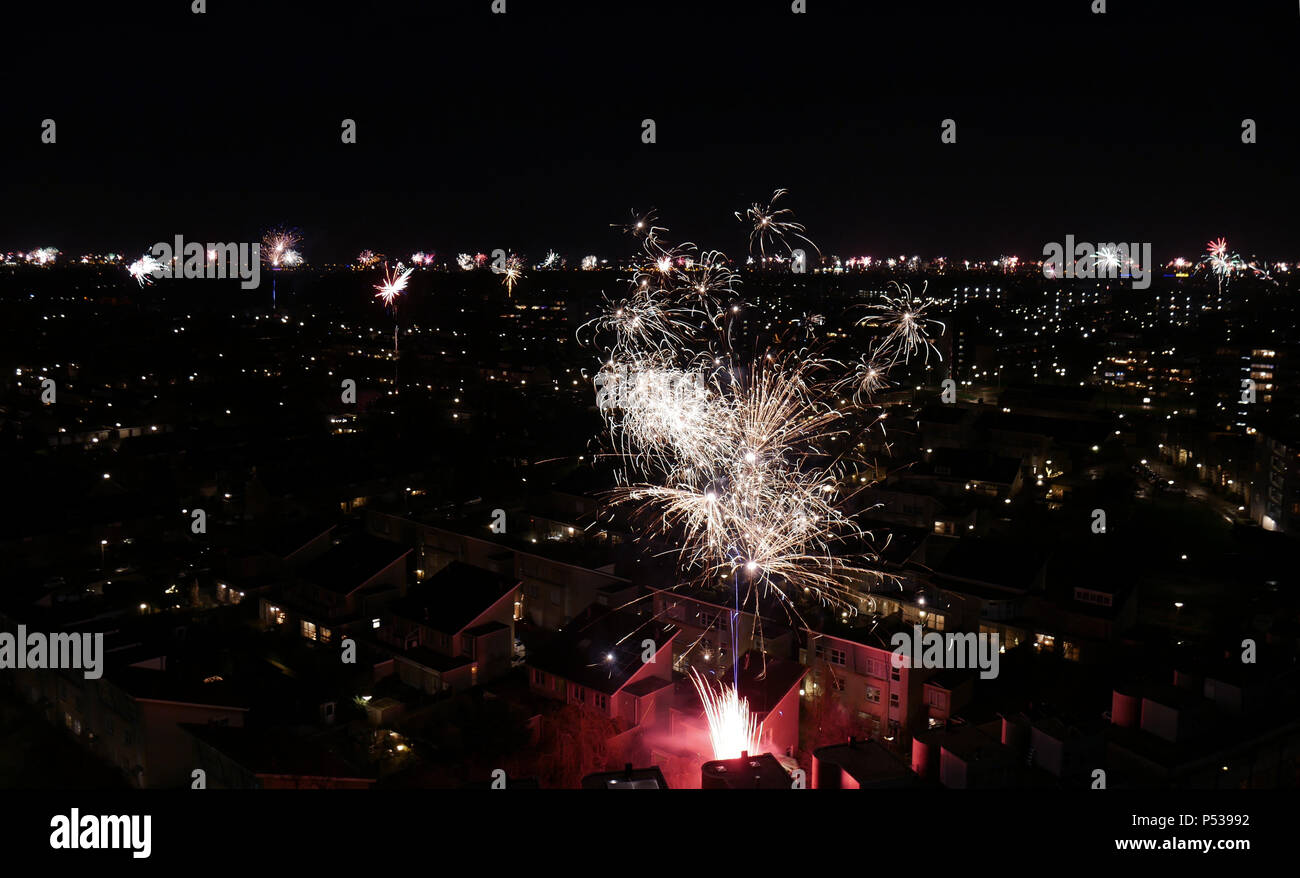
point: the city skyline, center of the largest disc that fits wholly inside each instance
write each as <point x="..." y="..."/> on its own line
<point x="425" y="398"/>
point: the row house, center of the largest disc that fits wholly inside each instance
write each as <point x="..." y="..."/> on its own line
<point x="595" y="664"/>
<point x="454" y="630"/>
<point x="558" y="579"/>
<point x="344" y="590"/>
<point x="851" y="664"/>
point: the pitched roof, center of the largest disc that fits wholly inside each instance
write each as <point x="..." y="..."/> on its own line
<point x="451" y="599"/>
<point x="349" y="565"/>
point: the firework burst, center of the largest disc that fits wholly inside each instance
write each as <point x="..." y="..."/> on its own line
<point x="869" y="376"/>
<point x="510" y="272"/>
<point x="771" y="225"/>
<point x="740" y="473"/>
<point x="276" y="244"/>
<point x="643" y="322"/>
<point x="144" y="269"/>
<point x="642" y="225"/>
<point x="1108" y="260"/>
<point x="750" y="495"/>
<point x="660" y="414"/>
<point x="708" y="278"/>
<point x="1220" y="261"/>
<point x="394" y="284"/>
<point x="909" y="329"/>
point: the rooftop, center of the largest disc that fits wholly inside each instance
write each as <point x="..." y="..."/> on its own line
<point x="454" y="597"/>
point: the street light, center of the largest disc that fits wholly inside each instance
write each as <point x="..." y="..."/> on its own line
<point x="103" y="544"/>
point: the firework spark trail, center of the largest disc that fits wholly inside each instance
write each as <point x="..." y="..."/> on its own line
<point x="771" y="224"/>
<point x="909" y="329"/>
<point x="465" y="262"/>
<point x="733" y="729"/>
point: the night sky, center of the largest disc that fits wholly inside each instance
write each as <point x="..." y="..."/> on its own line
<point x="522" y="131"/>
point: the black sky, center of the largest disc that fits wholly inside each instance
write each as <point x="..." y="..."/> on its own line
<point x="522" y="131"/>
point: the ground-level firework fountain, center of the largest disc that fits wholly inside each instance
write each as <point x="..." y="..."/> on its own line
<point x="733" y="730"/>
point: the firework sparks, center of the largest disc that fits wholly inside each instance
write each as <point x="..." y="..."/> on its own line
<point x="276" y="244"/>
<point x="1221" y="262"/>
<point x="465" y="262"/>
<point x="733" y="730"/>
<point x="642" y="225"/>
<point x="394" y="284"/>
<point x="743" y="494"/>
<point x="589" y="263"/>
<point x="510" y="272"/>
<point x="870" y="375"/>
<point x="708" y="278"/>
<point x="643" y="322"/>
<point x="734" y="470"/>
<point x="368" y="258"/>
<point x="904" y="316"/>
<point x="1108" y="260"/>
<point x="144" y="269"/>
<point x="771" y="225"/>
<point x="658" y="413"/>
